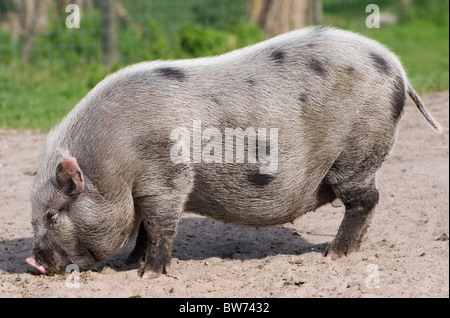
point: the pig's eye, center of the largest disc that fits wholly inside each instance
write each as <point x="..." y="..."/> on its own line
<point x="52" y="215"/>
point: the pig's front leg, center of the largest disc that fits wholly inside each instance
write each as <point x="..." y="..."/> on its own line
<point x="140" y="247"/>
<point x="161" y="215"/>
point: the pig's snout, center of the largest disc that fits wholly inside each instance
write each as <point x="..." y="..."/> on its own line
<point x="32" y="262"/>
<point x="48" y="263"/>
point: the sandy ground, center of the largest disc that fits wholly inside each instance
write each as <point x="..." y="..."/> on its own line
<point x="405" y="253"/>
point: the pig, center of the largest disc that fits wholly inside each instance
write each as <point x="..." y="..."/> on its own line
<point x="106" y="174"/>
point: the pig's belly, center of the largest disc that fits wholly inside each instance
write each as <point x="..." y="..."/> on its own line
<point x="252" y="214"/>
<point x="245" y="197"/>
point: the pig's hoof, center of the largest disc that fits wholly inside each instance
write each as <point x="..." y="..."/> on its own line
<point x="150" y="275"/>
<point x="332" y="254"/>
<point x="147" y="273"/>
<point x="335" y="251"/>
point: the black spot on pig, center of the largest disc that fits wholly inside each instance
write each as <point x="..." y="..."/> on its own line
<point x="278" y="56"/>
<point x="250" y="81"/>
<point x="380" y="63"/>
<point x="317" y="66"/>
<point x="172" y="73"/>
<point x="398" y="97"/>
<point x="350" y="70"/>
<point x="303" y="98"/>
<point x="215" y="103"/>
<point x="260" y="180"/>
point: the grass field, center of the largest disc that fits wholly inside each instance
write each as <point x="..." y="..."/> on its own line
<point x="65" y="63"/>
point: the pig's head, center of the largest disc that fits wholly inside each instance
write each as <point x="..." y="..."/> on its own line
<point x="62" y="204"/>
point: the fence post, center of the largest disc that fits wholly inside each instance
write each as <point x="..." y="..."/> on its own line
<point x="108" y="31"/>
<point x="403" y="9"/>
<point x="318" y="12"/>
<point x="276" y="16"/>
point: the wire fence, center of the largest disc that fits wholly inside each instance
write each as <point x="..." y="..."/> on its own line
<point x="50" y="30"/>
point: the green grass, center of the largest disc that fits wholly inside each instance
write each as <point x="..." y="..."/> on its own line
<point x="64" y="64"/>
<point x="37" y="98"/>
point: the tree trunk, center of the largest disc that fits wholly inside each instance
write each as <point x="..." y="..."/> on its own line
<point x="108" y="31"/>
<point x="402" y="9"/>
<point x="279" y="16"/>
<point x="32" y="17"/>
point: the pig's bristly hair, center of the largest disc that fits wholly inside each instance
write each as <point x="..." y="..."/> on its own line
<point x="64" y="153"/>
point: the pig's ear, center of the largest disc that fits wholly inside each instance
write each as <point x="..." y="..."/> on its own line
<point x="69" y="176"/>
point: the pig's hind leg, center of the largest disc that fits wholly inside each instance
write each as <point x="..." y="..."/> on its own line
<point x="352" y="178"/>
<point x="360" y="199"/>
